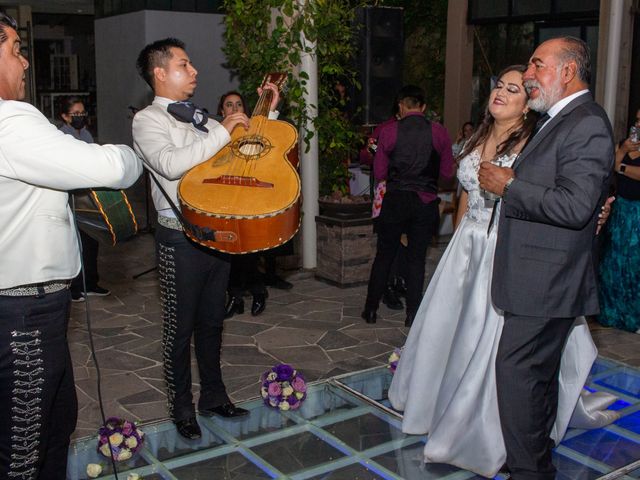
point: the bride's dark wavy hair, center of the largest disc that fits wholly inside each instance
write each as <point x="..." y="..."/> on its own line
<point x="485" y="127"/>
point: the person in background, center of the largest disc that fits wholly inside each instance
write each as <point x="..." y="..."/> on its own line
<point x="396" y="285"/>
<point x="232" y="102"/>
<point x="342" y="100"/>
<point x="411" y="156"/>
<point x="464" y="134"/>
<point x="39" y="256"/>
<point x="271" y="277"/>
<point x="75" y="116"/>
<point x="619" y="270"/>
<point x="244" y="273"/>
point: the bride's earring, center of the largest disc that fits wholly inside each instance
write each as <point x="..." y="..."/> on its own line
<point x="524" y="115"/>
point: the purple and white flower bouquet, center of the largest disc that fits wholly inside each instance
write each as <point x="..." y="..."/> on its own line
<point x="283" y="387"/>
<point x="394" y="358"/>
<point x="119" y="438"/>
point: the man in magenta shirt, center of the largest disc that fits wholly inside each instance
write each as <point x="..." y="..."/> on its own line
<point x="412" y="154"/>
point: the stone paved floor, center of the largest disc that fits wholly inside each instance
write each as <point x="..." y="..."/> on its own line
<point x="315" y="326"/>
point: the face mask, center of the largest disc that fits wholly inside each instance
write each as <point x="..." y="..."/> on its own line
<point x="78" y="122"/>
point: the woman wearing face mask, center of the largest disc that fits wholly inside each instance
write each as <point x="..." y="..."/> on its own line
<point x="75" y="117"/>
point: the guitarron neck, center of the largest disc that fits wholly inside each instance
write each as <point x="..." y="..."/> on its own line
<point x="264" y="102"/>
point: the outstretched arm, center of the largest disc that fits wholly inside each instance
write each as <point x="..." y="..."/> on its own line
<point x="34" y="151"/>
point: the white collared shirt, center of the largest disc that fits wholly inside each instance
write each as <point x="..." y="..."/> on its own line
<point x="560" y="104"/>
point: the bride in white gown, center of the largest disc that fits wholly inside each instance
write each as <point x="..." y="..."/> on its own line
<point x="445" y="380"/>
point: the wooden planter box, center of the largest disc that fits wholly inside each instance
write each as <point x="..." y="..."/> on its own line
<point x="346" y="248"/>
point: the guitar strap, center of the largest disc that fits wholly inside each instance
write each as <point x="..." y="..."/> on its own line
<point x="201" y="233"/>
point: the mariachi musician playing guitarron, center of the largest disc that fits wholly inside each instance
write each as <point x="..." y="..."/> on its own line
<point x="173" y="136"/>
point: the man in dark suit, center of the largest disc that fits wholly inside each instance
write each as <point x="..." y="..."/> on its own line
<point x="543" y="273"/>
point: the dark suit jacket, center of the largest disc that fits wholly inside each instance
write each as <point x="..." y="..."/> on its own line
<point x="544" y="254"/>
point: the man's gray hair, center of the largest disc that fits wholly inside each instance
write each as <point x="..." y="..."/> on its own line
<point x="576" y="50"/>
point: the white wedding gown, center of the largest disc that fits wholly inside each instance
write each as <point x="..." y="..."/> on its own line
<point x="445" y="381"/>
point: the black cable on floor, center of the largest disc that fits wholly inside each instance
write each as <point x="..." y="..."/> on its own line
<point x="90" y="332"/>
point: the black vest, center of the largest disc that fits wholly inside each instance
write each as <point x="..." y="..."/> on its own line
<point x="414" y="165"/>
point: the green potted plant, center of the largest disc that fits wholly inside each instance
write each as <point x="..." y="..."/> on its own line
<point x="266" y="35"/>
<point x="263" y="36"/>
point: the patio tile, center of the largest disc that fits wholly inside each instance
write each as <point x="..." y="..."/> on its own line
<point x="315" y="326"/>
<point x="336" y="340"/>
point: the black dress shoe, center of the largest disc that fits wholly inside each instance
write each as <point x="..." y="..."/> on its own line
<point x="233" y="306"/>
<point x="227" y="410"/>
<point x="369" y="315"/>
<point x="391" y="300"/>
<point x="400" y="286"/>
<point x="258" y="305"/>
<point x="189" y="428"/>
<point x="279" y="283"/>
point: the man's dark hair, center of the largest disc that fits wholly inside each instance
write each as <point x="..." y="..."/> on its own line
<point x="6" y="21"/>
<point x="412" y="96"/>
<point x="577" y="50"/>
<point x="154" y="55"/>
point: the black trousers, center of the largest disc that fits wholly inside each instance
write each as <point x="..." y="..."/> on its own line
<point x="399" y="265"/>
<point x="402" y="212"/>
<point x="38" y="405"/>
<point x="90" y="262"/>
<point x="270" y="255"/>
<point x="527" y="367"/>
<point x="193" y="281"/>
<point x="245" y="275"/>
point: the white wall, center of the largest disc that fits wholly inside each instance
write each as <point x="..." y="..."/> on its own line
<point x="119" y="40"/>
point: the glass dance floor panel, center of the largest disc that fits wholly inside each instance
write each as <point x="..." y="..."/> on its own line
<point x="346" y="430"/>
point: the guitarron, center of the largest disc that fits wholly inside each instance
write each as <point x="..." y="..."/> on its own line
<point x="249" y="191"/>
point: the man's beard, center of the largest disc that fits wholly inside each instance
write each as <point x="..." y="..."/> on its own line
<point x="546" y="98"/>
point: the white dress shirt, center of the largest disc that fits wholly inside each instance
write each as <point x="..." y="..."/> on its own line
<point x="559" y="105"/>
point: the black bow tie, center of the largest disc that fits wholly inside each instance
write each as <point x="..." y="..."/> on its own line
<point x="187" y="112"/>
